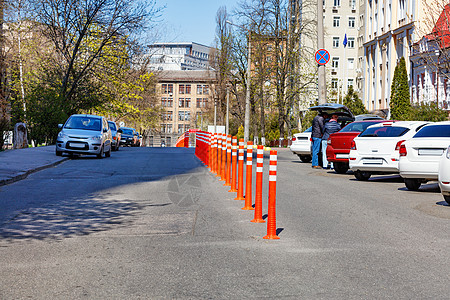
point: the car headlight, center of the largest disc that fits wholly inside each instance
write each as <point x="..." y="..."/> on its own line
<point x="448" y="153"/>
<point x="96" y="137"/>
<point x="62" y="135"/>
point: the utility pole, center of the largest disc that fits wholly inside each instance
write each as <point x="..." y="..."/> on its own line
<point x="321" y="44"/>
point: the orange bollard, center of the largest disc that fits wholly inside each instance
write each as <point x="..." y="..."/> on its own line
<point x="248" y="178"/>
<point x="228" y="164"/>
<point x="240" y="190"/>
<point x="271" y="217"/>
<point x="233" y="164"/>
<point x="259" y="181"/>
<point x="213" y="153"/>
<point x="209" y="150"/>
<point x="224" y="157"/>
<point x="219" y="154"/>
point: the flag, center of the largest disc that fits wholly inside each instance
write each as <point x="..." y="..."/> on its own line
<point x="345" y="41"/>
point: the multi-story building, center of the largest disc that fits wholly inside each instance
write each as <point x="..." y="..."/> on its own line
<point x="341" y="23"/>
<point x="391" y="27"/>
<point x="186" y="97"/>
<point x="179" y="56"/>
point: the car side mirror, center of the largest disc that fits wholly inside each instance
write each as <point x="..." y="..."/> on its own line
<point x="60" y="126"/>
<point x="119" y="130"/>
<point x="105" y="129"/>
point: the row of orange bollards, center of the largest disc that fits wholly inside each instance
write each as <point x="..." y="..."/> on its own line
<point x="226" y="160"/>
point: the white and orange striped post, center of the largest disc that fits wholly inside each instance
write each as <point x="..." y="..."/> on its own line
<point x="233" y="164"/>
<point x="259" y="181"/>
<point x="224" y="157"/>
<point x="228" y="164"/>
<point x="213" y="153"/>
<point x="248" y="178"/>
<point x="240" y="190"/>
<point x="271" y="216"/>
<point x="219" y="154"/>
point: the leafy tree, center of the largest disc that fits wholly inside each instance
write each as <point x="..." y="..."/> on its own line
<point x="352" y="101"/>
<point x="428" y="112"/>
<point x="400" y="103"/>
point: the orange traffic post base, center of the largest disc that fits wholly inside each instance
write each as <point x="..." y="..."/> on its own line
<point x="219" y="154"/>
<point x="248" y="178"/>
<point x="271" y="216"/>
<point x="228" y="165"/>
<point x="259" y="181"/>
<point x="224" y="157"/>
<point x="233" y="165"/>
<point x="240" y="190"/>
<point x="213" y="153"/>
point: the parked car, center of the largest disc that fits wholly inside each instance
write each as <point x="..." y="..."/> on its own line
<point x="338" y="146"/>
<point x="376" y="149"/>
<point x="84" y="134"/>
<point x="116" y="135"/>
<point x="301" y="145"/>
<point x="129" y="136"/>
<point x="420" y="156"/>
<point x="444" y="175"/>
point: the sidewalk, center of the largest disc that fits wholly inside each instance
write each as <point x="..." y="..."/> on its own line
<point x="17" y="164"/>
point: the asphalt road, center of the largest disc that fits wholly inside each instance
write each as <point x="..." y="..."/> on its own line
<point x="153" y="223"/>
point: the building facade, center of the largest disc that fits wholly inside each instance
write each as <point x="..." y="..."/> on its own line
<point x="179" y="56"/>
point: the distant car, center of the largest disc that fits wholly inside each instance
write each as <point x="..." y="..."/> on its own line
<point x="84" y="134"/>
<point x="338" y="146"/>
<point x="116" y="135"/>
<point x="376" y="149"/>
<point x="420" y="156"/>
<point x="129" y="136"/>
<point x="444" y="175"/>
<point x="301" y="145"/>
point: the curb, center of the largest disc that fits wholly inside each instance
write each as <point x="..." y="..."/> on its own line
<point x="26" y="173"/>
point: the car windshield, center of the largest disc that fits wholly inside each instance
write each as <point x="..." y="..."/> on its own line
<point x="308" y="130"/>
<point x="385" y="131"/>
<point x="112" y="125"/>
<point x="434" y="131"/>
<point x="357" y="126"/>
<point x="84" y="123"/>
<point x="127" y="131"/>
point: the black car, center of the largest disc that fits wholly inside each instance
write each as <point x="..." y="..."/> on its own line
<point x="130" y="137"/>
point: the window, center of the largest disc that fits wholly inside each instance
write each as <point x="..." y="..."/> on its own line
<point x="166" y="102"/>
<point x="385" y="131"/>
<point x="352" y="4"/>
<point x="202" y="89"/>
<point x="184" y="116"/>
<point x="181" y="102"/>
<point x="335" y="42"/>
<point x="187" y="102"/>
<point x="334" y="83"/>
<point x="188" y="89"/>
<point x="439" y="131"/>
<point x="167" y="88"/>
<point x="336" y="2"/>
<point x="349" y="82"/>
<point x="351" y="42"/>
<point x="184" y="88"/>
<point x="336" y="21"/>
<point x="201" y="102"/>
<point x="180" y="128"/>
<point x="351" y="22"/>
<point x="169" y="128"/>
<point x="167" y="116"/>
<point x="351" y="63"/>
<point x="335" y="62"/>
<point x="181" y="88"/>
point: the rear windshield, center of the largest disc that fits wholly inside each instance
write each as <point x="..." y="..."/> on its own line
<point x="127" y="131"/>
<point x="434" y="131"/>
<point x="112" y="125"/>
<point x="357" y="126"/>
<point x="385" y="131"/>
<point x="84" y="123"/>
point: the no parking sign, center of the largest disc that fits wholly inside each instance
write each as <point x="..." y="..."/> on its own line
<point x="322" y="56"/>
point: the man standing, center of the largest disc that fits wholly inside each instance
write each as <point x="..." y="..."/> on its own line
<point x="317" y="130"/>
<point x="330" y="127"/>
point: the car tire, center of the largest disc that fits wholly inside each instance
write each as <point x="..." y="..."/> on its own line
<point x="305" y="158"/>
<point x="361" y="175"/>
<point x="412" y="184"/>
<point x="100" y="155"/>
<point x="108" y="154"/>
<point x="340" y="167"/>
<point x="447" y="199"/>
<point x="58" y="153"/>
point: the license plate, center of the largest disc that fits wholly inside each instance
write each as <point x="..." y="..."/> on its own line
<point x="431" y="152"/>
<point x="76" y="145"/>
<point x="342" y="156"/>
<point x="375" y="161"/>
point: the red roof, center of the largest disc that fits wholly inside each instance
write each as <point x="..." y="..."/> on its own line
<point x="441" y="30"/>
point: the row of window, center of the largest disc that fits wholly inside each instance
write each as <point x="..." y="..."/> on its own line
<point x="337" y="21"/>
<point x="337" y="3"/>
<point x="350" y="63"/>
<point x="335" y="83"/>
<point x="167" y="128"/>
<point x="202" y="89"/>
<point x="350" y="42"/>
<point x="184" y="102"/>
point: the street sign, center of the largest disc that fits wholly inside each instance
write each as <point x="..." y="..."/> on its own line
<point x="322" y="56"/>
<point x="121" y="124"/>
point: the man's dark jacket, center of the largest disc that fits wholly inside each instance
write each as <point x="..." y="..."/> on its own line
<point x="317" y="127"/>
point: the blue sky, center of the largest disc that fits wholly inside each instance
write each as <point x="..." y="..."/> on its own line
<point x="192" y="21"/>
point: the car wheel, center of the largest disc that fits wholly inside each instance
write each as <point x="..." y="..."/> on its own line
<point x="304" y="158"/>
<point x="362" y="176"/>
<point x="108" y="154"/>
<point x="447" y="199"/>
<point x="100" y="155"/>
<point x="58" y="153"/>
<point x="341" y="168"/>
<point x="412" y="184"/>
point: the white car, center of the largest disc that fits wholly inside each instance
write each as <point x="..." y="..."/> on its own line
<point x="420" y="156"/>
<point x="444" y="175"/>
<point x="301" y="145"/>
<point x="375" y="150"/>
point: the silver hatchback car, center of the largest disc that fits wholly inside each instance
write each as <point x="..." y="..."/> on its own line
<point x="84" y="134"/>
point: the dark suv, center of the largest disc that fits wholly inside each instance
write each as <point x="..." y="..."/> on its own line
<point x="130" y="137"/>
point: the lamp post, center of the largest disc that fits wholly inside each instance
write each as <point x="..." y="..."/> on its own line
<point x="247" y="93"/>
<point x="227" y="129"/>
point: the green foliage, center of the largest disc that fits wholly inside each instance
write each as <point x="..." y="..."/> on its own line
<point x="400" y="103"/>
<point x="428" y="112"/>
<point x="240" y="133"/>
<point x="307" y="119"/>
<point x="352" y="101"/>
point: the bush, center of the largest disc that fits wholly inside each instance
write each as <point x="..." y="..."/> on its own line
<point x="428" y="112"/>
